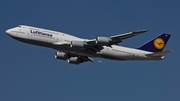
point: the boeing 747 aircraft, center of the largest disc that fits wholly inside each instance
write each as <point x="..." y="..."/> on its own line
<point x="77" y="50"/>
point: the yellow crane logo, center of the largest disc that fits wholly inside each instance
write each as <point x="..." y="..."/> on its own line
<point x="159" y="43"/>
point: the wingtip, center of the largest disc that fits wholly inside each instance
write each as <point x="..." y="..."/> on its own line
<point x="141" y="31"/>
<point x="144" y="30"/>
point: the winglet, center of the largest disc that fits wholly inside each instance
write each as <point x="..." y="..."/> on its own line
<point x="140" y="31"/>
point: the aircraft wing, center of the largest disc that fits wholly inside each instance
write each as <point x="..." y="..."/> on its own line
<point x="97" y="44"/>
<point x="127" y="35"/>
<point x="117" y="38"/>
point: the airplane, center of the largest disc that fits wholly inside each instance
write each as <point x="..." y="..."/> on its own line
<point x="78" y="50"/>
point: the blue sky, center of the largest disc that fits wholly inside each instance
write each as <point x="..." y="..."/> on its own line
<point x="31" y="73"/>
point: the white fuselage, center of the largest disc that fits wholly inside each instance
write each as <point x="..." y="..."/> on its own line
<point x="47" y="38"/>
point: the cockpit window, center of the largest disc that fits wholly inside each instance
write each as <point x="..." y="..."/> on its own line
<point x="19" y="26"/>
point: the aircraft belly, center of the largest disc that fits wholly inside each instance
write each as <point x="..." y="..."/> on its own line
<point x="114" y="55"/>
<point x="117" y="54"/>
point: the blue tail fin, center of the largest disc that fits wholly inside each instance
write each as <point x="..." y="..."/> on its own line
<point x="157" y="44"/>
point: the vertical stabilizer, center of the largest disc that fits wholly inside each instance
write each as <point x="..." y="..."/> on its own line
<point x="157" y="44"/>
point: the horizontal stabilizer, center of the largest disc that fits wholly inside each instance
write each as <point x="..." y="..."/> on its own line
<point x="159" y="54"/>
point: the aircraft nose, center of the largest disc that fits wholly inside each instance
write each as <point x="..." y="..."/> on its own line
<point x="8" y="31"/>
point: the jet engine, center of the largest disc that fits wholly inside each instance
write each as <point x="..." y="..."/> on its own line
<point x="77" y="44"/>
<point x="103" y="40"/>
<point x="61" y="55"/>
<point x="74" y="60"/>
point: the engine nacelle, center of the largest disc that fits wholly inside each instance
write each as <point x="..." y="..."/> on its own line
<point x="103" y="40"/>
<point x="74" y="60"/>
<point x="61" y="55"/>
<point x="77" y="44"/>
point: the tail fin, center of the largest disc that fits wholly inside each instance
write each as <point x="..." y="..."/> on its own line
<point x="157" y="44"/>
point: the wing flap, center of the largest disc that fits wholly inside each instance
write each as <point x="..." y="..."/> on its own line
<point x="85" y="59"/>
